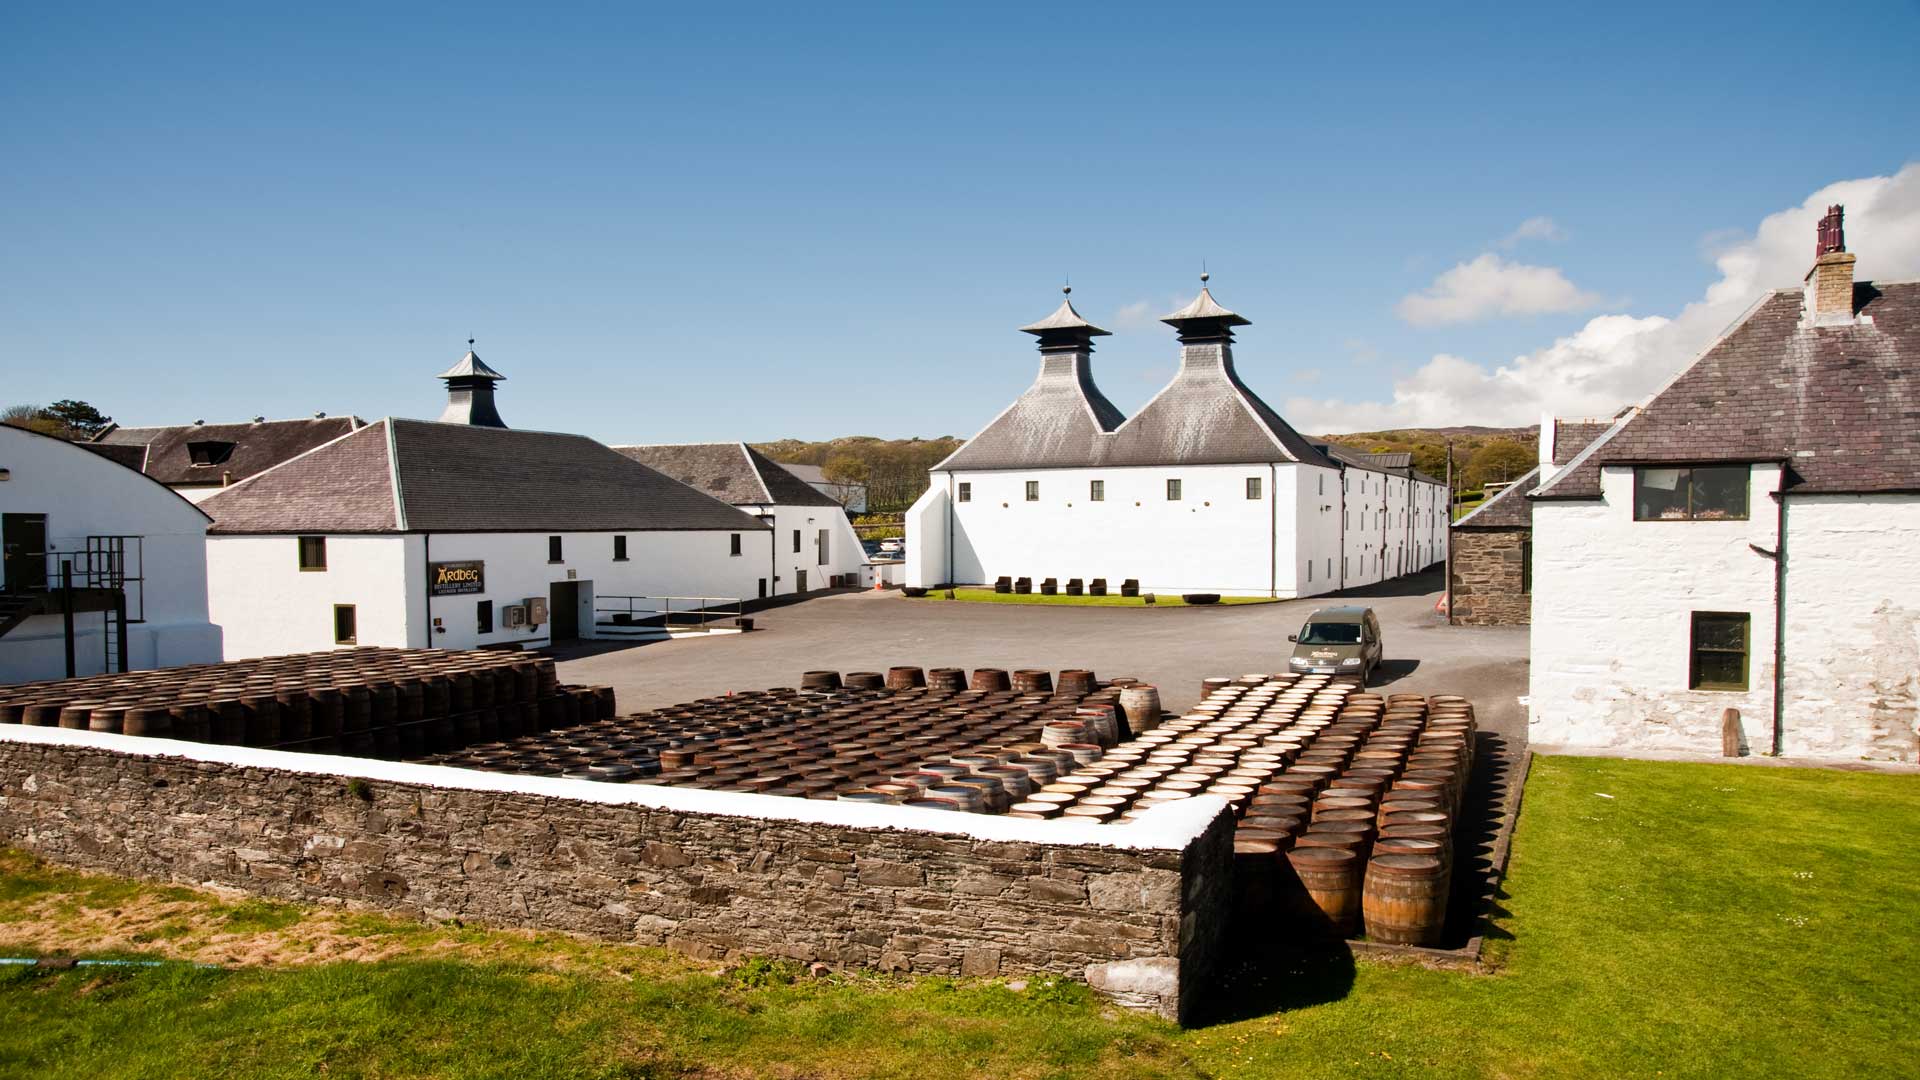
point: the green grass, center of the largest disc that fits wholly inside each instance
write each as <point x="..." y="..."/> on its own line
<point x="1665" y="919"/>
<point x="988" y="596"/>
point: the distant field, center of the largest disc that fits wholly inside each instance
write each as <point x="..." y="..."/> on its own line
<point x="1659" y="920"/>
<point x="988" y="596"/>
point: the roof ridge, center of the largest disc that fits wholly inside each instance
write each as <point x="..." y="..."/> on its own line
<point x="393" y="478"/>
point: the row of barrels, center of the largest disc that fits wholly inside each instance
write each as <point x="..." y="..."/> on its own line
<point x="1139" y="702"/>
<point x="976" y="750"/>
<point x="354" y="701"/>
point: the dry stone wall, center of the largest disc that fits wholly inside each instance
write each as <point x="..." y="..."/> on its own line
<point x="1141" y="924"/>
<point x="1488" y="577"/>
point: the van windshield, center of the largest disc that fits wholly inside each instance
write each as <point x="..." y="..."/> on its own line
<point x="1330" y="633"/>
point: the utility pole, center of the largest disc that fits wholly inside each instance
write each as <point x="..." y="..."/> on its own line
<point x="1449" y="534"/>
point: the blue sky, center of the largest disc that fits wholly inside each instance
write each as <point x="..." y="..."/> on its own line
<point x="718" y="221"/>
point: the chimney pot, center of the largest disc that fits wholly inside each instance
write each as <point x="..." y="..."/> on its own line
<point x="1829" y="285"/>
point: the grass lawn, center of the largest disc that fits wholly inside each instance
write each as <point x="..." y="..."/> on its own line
<point x="1664" y="920"/>
<point x="988" y="596"/>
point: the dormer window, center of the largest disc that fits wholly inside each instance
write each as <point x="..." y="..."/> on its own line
<point x="210" y="453"/>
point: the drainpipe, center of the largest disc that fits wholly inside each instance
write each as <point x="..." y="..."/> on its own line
<point x="1340" y="474"/>
<point x="950" y="512"/>
<point x="1779" y="557"/>
<point x="426" y="565"/>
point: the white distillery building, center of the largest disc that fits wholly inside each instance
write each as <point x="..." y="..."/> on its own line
<point x="1747" y="541"/>
<point x="199" y="459"/>
<point x="814" y="546"/>
<point x="134" y="553"/>
<point x="462" y="533"/>
<point x="1205" y="489"/>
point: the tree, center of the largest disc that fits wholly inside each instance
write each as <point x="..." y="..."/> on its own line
<point x="30" y="417"/>
<point x="1498" y="462"/>
<point x="81" y="420"/>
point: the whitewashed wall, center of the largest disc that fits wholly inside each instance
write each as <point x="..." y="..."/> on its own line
<point x="1612" y="620"/>
<point x="84" y="494"/>
<point x="1853" y="627"/>
<point x="927" y="523"/>
<point x="267" y="606"/>
<point x="270" y="606"/>
<point x="844" y="553"/>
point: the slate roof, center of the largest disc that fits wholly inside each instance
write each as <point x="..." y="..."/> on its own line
<point x="421" y="476"/>
<point x="132" y="455"/>
<point x="731" y="472"/>
<point x="1205" y="416"/>
<point x="256" y="447"/>
<point x="1572" y="436"/>
<point x="1839" y="404"/>
<point x="1396" y="461"/>
<point x="1507" y="510"/>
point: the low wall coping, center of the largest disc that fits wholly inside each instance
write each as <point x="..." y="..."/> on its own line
<point x="1166" y="827"/>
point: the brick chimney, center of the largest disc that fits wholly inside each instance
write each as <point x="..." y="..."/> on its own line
<point x="1829" y="288"/>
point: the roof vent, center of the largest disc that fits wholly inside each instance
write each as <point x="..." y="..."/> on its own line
<point x="319" y="416"/>
<point x="259" y="419"/>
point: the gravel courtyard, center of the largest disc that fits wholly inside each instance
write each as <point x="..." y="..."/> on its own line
<point x="1174" y="648"/>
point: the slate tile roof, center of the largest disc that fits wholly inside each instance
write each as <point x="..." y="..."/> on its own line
<point x="731" y="472"/>
<point x="256" y="447"/>
<point x="1839" y="404"/>
<point x="1507" y="510"/>
<point x="1061" y="421"/>
<point x="422" y="476"/>
<point x="1572" y="436"/>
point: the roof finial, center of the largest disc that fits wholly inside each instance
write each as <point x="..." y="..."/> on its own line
<point x="469" y="344"/>
<point x="1204" y="276"/>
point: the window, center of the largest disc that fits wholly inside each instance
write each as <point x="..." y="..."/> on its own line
<point x="207" y="454"/>
<point x="1699" y="493"/>
<point x="966" y="492"/>
<point x="313" y="553"/>
<point x="1719" y="651"/>
<point x="1309" y="569"/>
<point x="823" y="547"/>
<point x="1329" y="566"/>
<point x="1526" y="567"/>
<point x="1253" y="486"/>
<point x="553" y="549"/>
<point x="483" y="616"/>
<point x="763" y="588"/>
<point x="733" y="544"/>
<point x="1033" y="491"/>
<point x="619" y="549"/>
<point x="1173" y="491"/>
<point x="796" y="541"/>
<point x="1096" y="491"/>
<point x="344" y="630"/>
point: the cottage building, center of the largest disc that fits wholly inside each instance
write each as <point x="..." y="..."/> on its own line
<point x="1205" y="489"/>
<point x="199" y="459"/>
<point x="462" y="534"/>
<point x="104" y="570"/>
<point x="1490" y="570"/>
<point x="814" y="545"/>
<point x="1745" y="541"/>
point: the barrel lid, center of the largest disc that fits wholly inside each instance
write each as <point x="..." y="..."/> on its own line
<point x="1321" y="855"/>
<point x="1406" y="864"/>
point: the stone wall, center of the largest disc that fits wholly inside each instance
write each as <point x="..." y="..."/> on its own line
<point x="1139" y="917"/>
<point x="1487" y="577"/>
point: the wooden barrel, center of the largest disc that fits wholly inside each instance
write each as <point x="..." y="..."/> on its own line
<point x="1256" y="862"/>
<point x="865" y="680"/>
<point x="990" y="680"/>
<point x="1140" y="704"/>
<point x="1331" y="879"/>
<point x="905" y="678"/>
<point x="296" y="713"/>
<point x="41" y="714"/>
<point x="1405" y="899"/>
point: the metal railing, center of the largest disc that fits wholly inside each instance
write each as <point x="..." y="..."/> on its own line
<point x="103" y="562"/>
<point x="666" y="612"/>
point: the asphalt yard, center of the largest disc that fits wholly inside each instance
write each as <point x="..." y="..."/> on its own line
<point x="1173" y="648"/>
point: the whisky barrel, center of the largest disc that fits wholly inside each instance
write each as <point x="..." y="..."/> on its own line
<point x="1405" y="899"/>
<point x="1331" y="879"/>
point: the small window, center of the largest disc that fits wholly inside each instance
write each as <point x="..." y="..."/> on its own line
<point x="1173" y="491"/>
<point x="483" y="616"/>
<point x="1526" y="567"/>
<point x="1329" y="566"/>
<point x="1253" y="486"/>
<point x="345" y="632"/>
<point x="208" y="454"/>
<point x="1096" y="491"/>
<point x="1720" y="642"/>
<point x="823" y="542"/>
<point x="313" y="553"/>
<point x="619" y="549"/>
<point x="1033" y="491"/>
<point x="1700" y="493"/>
<point x="1309" y="569"/>
<point x="1323" y="483"/>
<point x="966" y="491"/>
<point x="796" y="541"/>
<point x="553" y="549"/>
<point x="763" y="588"/>
<point x="733" y="544"/>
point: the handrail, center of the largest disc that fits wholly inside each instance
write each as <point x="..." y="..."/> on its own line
<point x="699" y="611"/>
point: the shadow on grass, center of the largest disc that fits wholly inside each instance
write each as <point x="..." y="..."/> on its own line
<point x="1475" y="889"/>
<point x="1275" y="966"/>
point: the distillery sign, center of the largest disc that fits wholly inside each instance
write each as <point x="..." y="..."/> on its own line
<point x="456" y="578"/>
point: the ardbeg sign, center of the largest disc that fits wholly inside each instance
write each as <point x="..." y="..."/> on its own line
<point x="455" y="578"/>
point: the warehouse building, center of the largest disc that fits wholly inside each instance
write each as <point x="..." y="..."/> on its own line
<point x="460" y="533"/>
<point x="814" y="545"/>
<point x="1205" y="489"/>
<point x="199" y="459"/>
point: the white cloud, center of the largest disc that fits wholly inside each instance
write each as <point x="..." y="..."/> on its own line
<point x="1617" y="360"/>
<point x="1135" y="316"/>
<point x="1490" y="285"/>
<point x="1534" y="228"/>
